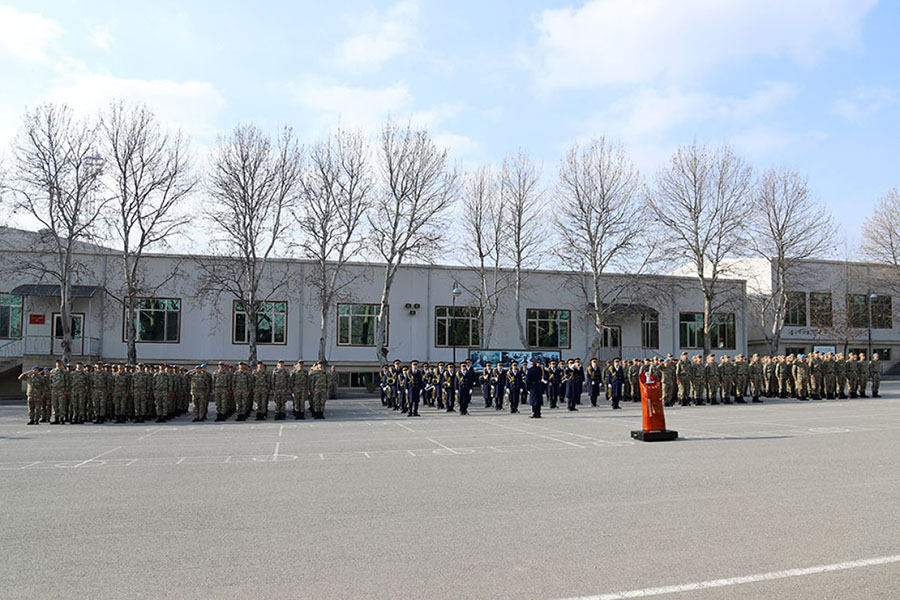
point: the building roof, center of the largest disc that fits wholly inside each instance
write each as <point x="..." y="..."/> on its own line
<point x="40" y="289"/>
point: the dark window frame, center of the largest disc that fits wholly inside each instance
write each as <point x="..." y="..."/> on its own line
<point x="792" y="308"/>
<point x="337" y="321"/>
<point x="21" y="308"/>
<point x="480" y="318"/>
<point x="537" y="319"/>
<point x="139" y="341"/>
<point x="234" y="313"/>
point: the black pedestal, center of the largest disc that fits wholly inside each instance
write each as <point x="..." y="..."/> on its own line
<point x="655" y="436"/>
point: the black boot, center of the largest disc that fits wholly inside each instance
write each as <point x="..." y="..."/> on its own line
<point x="260" y="416"/>
<point x="740" y="401"/>
<point x="220" y="417"/>
<point x="756" y="399"/>
<point x="195" y="420"/>
<point x="241" y="417"/>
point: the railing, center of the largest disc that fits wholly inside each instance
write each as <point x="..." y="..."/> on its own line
<point x="45" y="345"/>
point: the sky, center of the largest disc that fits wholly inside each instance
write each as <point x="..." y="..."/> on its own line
<point x="813" y="85"/>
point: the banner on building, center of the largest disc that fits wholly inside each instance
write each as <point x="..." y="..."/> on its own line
<point x="505" y="357"/>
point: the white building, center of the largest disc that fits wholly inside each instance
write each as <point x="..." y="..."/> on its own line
<point x="180" y="325"/>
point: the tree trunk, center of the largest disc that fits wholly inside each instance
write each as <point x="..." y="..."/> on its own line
<point x="130" y="330"/>
<point x="252" y="330"/>
<point x="323" y="330"/>
<point x="65" y="316"/>
<point x="381" y="350"/>
<point x="707" y="324"/>
<point x="522" y="337"/>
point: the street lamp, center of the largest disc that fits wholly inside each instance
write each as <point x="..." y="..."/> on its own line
<point x="869" y="306"/>
<point x="456" y="292"/>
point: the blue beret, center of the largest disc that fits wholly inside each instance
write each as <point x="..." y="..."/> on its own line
<point x="35" y="367"/>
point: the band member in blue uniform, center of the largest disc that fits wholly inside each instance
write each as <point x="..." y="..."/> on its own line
<point x="498" y="380"/>
<point x="465" y="381"/>
<point x="595" y="380"/>
<point x="554" y="374"/>
<point x="415" y="385"/>
<point x="534" y="382"/>
<point x="615" y="379"/>
<point x="487" y="389"/>
<point x="449" y="387"/>
<point x="569" y="384"/>
<point x="579" y="380"/>
<point x="514" y="385"/>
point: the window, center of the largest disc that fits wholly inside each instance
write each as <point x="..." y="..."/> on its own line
<point x="156" y="320"/>
<point x="356" y="324"/>
<point x="795" y="309"/>
<point x="796" y="350"/>
<point x="882" y="315"/>
<point x="10" y="316"/>
<point x="354" y="379"/>
<point x="271" y="323"/>
<point x="883" y="353"/>
<point x="459" y="326"/>
<point x="548" y="328"/>
<point x="857" y="311"/>
<point x="820" y="312"/>
<point x="721" y="334"/>
<point x="650" y="331"/>
<point x="690" y="330"/>
<point x="611" y="337"/>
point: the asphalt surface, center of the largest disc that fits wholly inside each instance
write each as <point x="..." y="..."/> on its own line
<point x="370" y="504"/>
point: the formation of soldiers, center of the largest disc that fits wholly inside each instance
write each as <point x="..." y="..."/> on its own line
<point x="97" y="393"/>
<point x="688" y="381"/>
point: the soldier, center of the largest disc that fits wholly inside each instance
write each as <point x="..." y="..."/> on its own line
<point x="142" y="384"/>
<point x="98" y="393"/>
<point x="862" y="375"/>
<point x="333" y="381"/>
<point x="449" y="387"/>
<point x="281" y="386"/>
<point x="568" y="384"/>
<point x="465" y="381"/>
<point x="741" y="378"/>
<point x="121" y="382"/>
<point x="579" y="381"/>
<point x="221" y="384"/>
<point x="59" y="379"/>
<point x="498" y="381"/>
<point x="200" y="383"/>
<point x="634" y="384"/>
<point x="160" y="383"/>
<point x="817" y="387"/>
<point x="79" y="386"/>
<point x="781" y="374"/>
<point x="554" y="374"/>
<point x="875" y="374"/>
<point x="755" y="375"/>
<point x="415" y="385"/>
<point x="300" y="389"/>
<point x="801" y="377"/>
<point x="515" y="383"/>
<point x="319" y="382"/>
<point x="32" y="393"/>
<point x="594" y="381"/>
<point x="829" y="378"/>
<point x="242" y="384"/>
<point x="852" y="375"/>
<point x="712" y="374"/>
<point x="615" y="380"/>
<point x="667" y="381"/>
<point x="487" y="389"/>
<point x="683" y="377"/>
<point x="840" y="374"/>
<point x="46" y="405"/>
<point x="534" y="383"/>
<point x="770" y="382"/>
<point x="698" y="380"/>
<point x="261" y="385"/>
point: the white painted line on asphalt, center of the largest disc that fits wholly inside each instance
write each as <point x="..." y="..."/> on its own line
<point x="158" y="429"/>
<point x="280" y="431"/>
<point x="29" y="465"/>
<point x="716" y="583"/>
<point x="275" y="454"/>
<point x="84" y="462"/>
<point x="452" y="451"/>
<point x="403" y="425"/>
<point x="546" y="437"/>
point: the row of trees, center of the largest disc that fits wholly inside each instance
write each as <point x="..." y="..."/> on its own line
<point x="123" y="177"/>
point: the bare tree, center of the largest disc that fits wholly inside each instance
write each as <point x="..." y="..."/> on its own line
<point x="597" y="189"/>
<point x="335" y="194"/>
<point x="55" y="181"/>
<point x="485" y="226"/>
<point x="788" y="227"/>
<point x="150" y="174"/>
<point x="702" y="200"/>
<point x="253" y="183"/>
<point x="525" y="241"/>
<point x="417" y="186"/>
<point x="881" y="233"/>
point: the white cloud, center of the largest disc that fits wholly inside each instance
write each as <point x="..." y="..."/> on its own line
<point x="381" y="36"/>
<point x="623" y="42"/>
<point x="650" y="112"/>
<point x="863" y="102"/>
<point x="190" y="106"/>
<point x="351" y="106"/>
<point x="27" y="36"/>
<point x="100" y="37"/>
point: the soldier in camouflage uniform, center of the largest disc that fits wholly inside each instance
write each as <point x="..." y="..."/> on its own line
<point x="200" y="383"/>
<point x="79" y="387"/>
<point x="840" y="375"/>
<point x="668" y="381"/>
<point x="815" y="372"/>
<point x="801" y="372"/>
<point x="862" y="375"/>
<point x="59" y="379"/>
<point x="829" y="377"/>
<point x="726" y="379"/>
<point x="711" y="376"/>
<point x="261" y="385"/>
<point x="281" y="387"/>
<point x="770" y="382"/>
<point x="319" y="384"/>
<point x="161" y="385"/>
<point x="242" y="384"/>
<point x="98" y="393"/>
<point x="32" y="393"/>
<point x="852" y="375"/>
<point x="683" y="377"/>
<point x="875" y="374"/>
<point x="121" y="383"/>
<point x="46" y="410"/>
<point x="221" y="389"/>
<point x="781" y="368"/>
<point x="141" y="383"/>
<point x="300" y="389"/>
<point x="755" y="377"/>
<point x="698" y="381"/>
<point x="741" y="378"/>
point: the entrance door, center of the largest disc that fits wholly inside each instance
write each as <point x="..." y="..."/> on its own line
<point x="77" y="334"/>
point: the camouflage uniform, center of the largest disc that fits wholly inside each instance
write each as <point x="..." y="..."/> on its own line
<point x="711" y="375"/>
<point x="98" y="394"/>
<point x="319" y="383"/>
<point x="46" y="407"/>
<point x="801" y="378"/>
<point x="727" y="381"/>
<point x="829" y="377"/>
<point x="32" y="394"/>
<point x="80" y="382"/>
<point x="161" y="387"/>
<point x="840" y="376"/>
<point x="200" y="382"/>
<point x="769" y="380"/>
<point x="668" y="382"/>
<point x="852" y="375"/>
<point x="683" y="377"/>
<point x="281" y="387"/>
<point x="698" y="382"/>
<point x="875" y="375"/>
<point x="742" y="379"/>
<point x="121" y="386"/>
<point x="221" y="390"/>
<point x="755" y="374"/>
<point x="300" y="390"/>
<point x="781" y="372"/>
<point x="242" y="383"/>
<point x="141" y="383"/>
<point x="261" y="385"/>
<point x="59" y="380"/>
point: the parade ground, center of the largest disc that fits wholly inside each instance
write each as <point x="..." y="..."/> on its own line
<point x="784" y="499"/>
